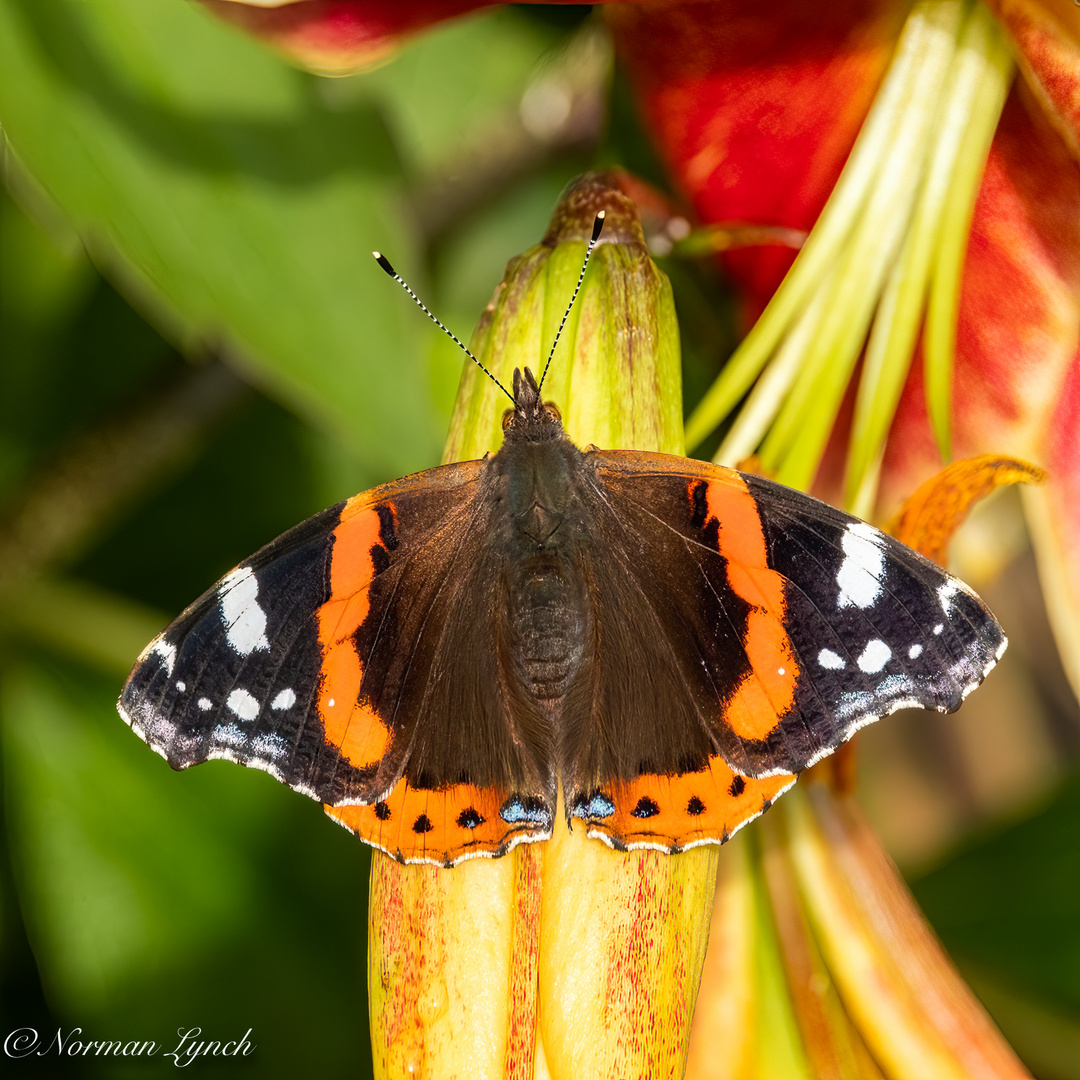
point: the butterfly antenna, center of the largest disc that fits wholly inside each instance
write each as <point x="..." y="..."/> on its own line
<point x="598" y="225"/>
<point x="384" y="262"/>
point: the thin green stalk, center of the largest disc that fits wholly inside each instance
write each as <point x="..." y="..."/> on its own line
<point x="948" y="264"/>
<point x="888" y="354"/>
<point x="771" y="390"/>
<point x="797" y="439"/>
<point x="864" y="498"/>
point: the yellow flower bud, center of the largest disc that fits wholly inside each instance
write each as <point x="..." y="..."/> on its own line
<point x="562" y="959"/>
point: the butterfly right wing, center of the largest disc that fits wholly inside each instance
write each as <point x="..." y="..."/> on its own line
<point x="756" y="629"/>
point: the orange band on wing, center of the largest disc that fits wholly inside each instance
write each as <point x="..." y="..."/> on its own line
<point x="691" y="808"/>
<point x="419" y="825"/>
<point x="354" y="728"/>
<point x="768" y="691"/>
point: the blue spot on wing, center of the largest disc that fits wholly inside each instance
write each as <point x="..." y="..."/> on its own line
<point x="529" y="810"/>
<point x="598" y="805"/>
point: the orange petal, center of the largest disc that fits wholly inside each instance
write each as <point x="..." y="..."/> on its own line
<point x="622" y="941"/>
<point x="914" y="1011"/>
<point x="452" y="967"/>
<point x="932" y="514"/>
<point x="723" y="1033"/>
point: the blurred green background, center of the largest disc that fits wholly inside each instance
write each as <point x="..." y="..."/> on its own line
<point x="196" y="352"/>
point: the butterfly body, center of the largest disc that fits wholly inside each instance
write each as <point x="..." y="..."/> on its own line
<point x="535" y="482"/>
<point x="666" y="642"/>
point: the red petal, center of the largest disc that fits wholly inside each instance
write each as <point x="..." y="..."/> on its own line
<point x="755" y="107"/>
<point x="1019" y="318"/>
<point x="1054" y="520"/>
<point x="1049" y="45"/>
<point x="338" y="37"/>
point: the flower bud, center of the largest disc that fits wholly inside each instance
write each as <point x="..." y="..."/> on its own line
<point x="564" y="958"/>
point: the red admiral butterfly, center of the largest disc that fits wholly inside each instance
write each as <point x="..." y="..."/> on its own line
<point x="667" y="641"/>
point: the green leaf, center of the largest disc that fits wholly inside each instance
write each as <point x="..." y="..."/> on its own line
<point x="1006" y="909"/>
<point x="215" y="182"/>
<point x="1008" y="902"/>
<point x="45" y="285"/>
<point x="215" y="898"/>
<point x="452" y="92"/>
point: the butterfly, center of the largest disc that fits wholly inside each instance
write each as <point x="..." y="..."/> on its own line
<point x="665" y="642"/>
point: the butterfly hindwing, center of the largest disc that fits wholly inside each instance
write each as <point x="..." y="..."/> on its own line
<point x="673" y="812"/>
<point x="446" y="825"/>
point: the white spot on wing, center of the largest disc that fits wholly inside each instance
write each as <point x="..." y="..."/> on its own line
<point x="828" y="659"/>
<point x="945" y="594"/>
<point x="874" y="657"/>
<point x="939" y="628"/>
<point x="205" y="704"/>
<point x="167" y="653"/>
<point x="914" y="652"/>
<point x="285" y="699"/>
<point x="181" y="686"/>
<point x="859" y="576"/>
<point x="245" y="621"/>
<point x="243" y="704"/>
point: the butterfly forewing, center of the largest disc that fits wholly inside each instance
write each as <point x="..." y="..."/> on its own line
<point x="878" y="626"/>
<point x="793" y="624"/>
<point x="236" y="675"/>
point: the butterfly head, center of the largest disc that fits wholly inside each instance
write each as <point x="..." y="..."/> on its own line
<point x="531" y="419"/>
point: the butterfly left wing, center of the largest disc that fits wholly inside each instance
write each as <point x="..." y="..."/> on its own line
<point x="338" y="660"/>
<point x="757" y="630"/>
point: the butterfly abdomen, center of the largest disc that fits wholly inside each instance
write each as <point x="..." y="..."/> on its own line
<point x="549" y="625"/>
